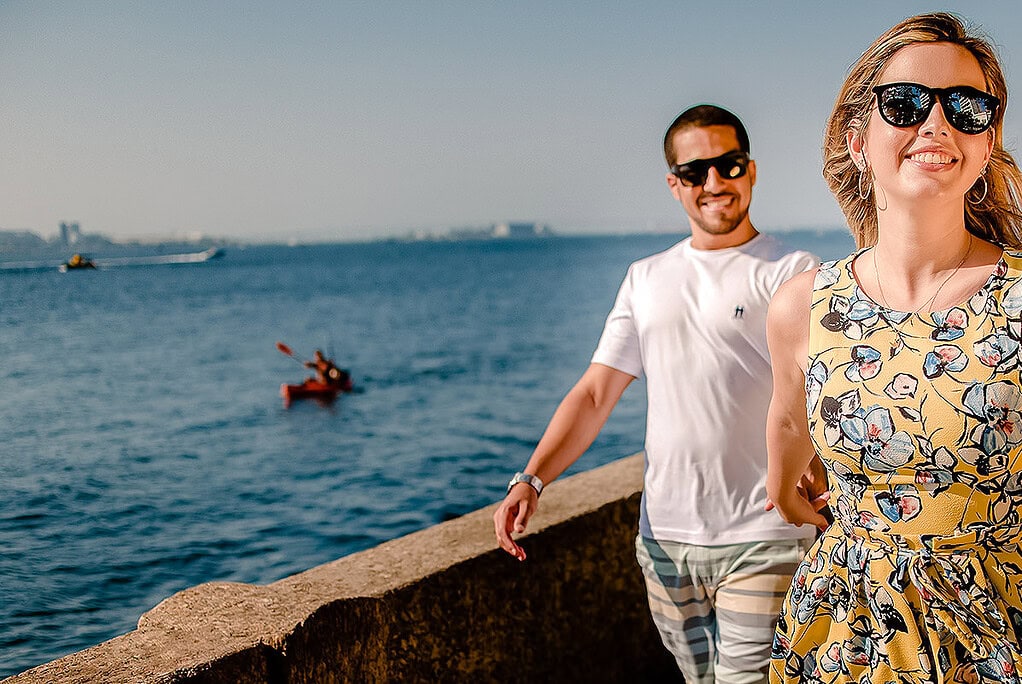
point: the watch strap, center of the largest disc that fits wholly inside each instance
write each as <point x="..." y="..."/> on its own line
<point x="528" y="479"/>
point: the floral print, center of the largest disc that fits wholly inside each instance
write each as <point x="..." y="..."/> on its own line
<point x="918" y="418"/>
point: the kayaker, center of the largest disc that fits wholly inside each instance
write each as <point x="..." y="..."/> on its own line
<point x="326" y="370"/>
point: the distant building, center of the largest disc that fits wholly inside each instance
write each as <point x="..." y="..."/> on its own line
<point x="495" y="231"/>
<point x="520" y="230"/>
<point x="70" y="233"/>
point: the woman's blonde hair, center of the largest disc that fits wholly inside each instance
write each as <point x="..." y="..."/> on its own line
<point x="998" y="217"/>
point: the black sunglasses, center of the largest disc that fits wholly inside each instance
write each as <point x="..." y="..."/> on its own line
<point x="730" y="166"/>
<point x="907" y="104"/>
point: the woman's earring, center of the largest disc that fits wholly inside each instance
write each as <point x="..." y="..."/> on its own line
<point x="982" y="177"/>
<point x="863" y="194"/>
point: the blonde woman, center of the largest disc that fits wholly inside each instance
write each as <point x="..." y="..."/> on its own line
<point x="899" y="366"/>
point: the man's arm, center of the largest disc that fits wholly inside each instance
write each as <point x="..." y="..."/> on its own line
<point x="575" y="424"/>
<point x="792" y="462"/>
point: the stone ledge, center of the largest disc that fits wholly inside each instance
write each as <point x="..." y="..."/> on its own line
<point x="441" y="604"/>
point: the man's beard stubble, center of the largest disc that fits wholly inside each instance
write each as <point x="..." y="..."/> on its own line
<point x="724" y="227"/>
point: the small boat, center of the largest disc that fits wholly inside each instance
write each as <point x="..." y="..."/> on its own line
<point x="189" y="258"/>
<point x="311" y="389"/>
<point x="77" y="261"/>
<point x="80" y="261"/>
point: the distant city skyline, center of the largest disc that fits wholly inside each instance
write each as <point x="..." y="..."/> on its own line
<point x="263" y="121"/>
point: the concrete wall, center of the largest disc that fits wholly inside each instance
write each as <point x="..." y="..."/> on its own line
<point x="443" y="604"/>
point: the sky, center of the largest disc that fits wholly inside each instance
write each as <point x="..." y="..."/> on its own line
<point x="321" y="121"/>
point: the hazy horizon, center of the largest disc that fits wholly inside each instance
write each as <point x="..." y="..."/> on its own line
<point x="439" y="233"/>
<point x="349" y="121"/>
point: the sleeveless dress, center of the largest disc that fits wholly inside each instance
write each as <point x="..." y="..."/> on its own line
<point x="918" y="418"/>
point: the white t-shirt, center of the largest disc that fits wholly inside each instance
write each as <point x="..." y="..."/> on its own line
<point x="694" y="323"/>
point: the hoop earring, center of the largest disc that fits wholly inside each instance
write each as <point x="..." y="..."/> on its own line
<point x="863" y="195"/>
<point x="982" y="177"/>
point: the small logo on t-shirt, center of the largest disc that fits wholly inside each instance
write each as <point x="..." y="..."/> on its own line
<point x="739" y="311"/>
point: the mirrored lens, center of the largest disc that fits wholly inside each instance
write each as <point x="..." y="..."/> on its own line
<point x="968" y="112"/>
<point x="905" y="105"/>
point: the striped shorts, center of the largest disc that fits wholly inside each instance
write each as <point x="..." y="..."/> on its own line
<point x="716" y="606"/>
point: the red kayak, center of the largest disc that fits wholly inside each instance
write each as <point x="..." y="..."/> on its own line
<point x="310" y="389"/>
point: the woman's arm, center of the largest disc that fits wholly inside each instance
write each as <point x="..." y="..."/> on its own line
<point x="789" y="449"/>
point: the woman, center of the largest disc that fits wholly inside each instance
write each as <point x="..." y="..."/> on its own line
<point x="899" y="365"/>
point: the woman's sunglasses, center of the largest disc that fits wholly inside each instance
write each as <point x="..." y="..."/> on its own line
<point x="730" y="166"/>
<point x="908" y="104"/>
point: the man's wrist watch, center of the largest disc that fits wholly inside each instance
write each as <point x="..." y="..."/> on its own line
<point x="530" y="480"/>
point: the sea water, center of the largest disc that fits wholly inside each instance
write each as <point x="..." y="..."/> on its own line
<point x="144" y="447"/>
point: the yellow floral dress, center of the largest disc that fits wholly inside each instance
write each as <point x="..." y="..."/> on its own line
<point x="918" y="418"/>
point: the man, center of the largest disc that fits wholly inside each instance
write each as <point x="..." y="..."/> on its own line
<point x="327" y="371"/>
<point x="692" y="320"/>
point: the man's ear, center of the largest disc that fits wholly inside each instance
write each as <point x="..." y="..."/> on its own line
<point x="675" y="185"/>
<point x="751" y="172"/>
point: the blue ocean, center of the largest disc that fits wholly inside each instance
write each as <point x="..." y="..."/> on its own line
<point x="145" y="448"/>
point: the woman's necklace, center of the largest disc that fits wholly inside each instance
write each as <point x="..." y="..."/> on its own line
<point x="936" y="292"/>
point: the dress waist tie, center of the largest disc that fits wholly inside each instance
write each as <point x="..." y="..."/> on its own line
<point x="955" y="589"/>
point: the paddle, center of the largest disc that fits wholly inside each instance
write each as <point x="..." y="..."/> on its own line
<point x="286" y="350"/>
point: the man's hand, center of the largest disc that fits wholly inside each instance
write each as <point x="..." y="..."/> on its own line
<point x="513" y="515"/>
<point x="814" y="482"/>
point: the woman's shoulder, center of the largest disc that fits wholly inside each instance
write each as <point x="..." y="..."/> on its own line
<point x="799" y="288"/>
<point x="788" y="318"/>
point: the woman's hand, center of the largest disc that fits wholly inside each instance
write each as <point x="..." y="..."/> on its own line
<point x="799" y="509"/>
<point x="813" y="490"/>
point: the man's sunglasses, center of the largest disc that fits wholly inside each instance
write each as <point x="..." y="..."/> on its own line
<point x="730" y="166"/>
<point x="908" y="104"/>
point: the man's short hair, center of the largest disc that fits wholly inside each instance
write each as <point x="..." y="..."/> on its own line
<point x="701" y="116"/>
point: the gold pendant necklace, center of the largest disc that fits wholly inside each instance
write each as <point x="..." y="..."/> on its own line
<point x="928" y="302"/>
